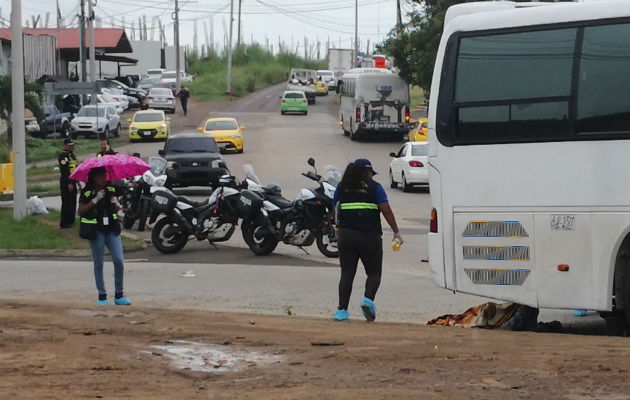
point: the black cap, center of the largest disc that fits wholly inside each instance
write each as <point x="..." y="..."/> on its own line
<point x="68" y="142"/>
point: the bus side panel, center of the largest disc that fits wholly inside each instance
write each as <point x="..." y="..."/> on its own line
<point x="584" y="242"/>
<point x="495" y="257"/>
<point x="435" y="244"/>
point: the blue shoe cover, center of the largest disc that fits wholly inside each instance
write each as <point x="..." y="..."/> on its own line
<point x="369" y="309"/>
<point x="102" y="302"/>
<point x="342" y="315"/>
<point x="123" y="301"/>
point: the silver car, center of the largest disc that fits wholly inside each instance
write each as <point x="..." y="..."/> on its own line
<point x="161" y="99"/>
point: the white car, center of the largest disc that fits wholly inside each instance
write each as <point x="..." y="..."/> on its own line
<point x="118" y="96"/>
<point x="96" y="120"/>
<point x="171" y="77"/>
<point x="410" y="166"/>
<point x="105" y="99"/>
<point x="155" y="72"/>
<point x="328" y="77"/>
<point x="161" y="99"/>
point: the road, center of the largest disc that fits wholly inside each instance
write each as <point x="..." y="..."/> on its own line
<point x="230" y="277"/>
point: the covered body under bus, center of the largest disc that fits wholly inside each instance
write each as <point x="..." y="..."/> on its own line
<point x="373" y="101"/>
<point x="529" y="154"/>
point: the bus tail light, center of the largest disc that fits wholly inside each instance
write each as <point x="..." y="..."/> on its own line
<point x="433" y="225"/>
<point x="414" y="163"/>
<point x="358" y="114"/>
<point x="407" y="115"/>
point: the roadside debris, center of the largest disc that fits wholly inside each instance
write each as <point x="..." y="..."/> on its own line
<point x="188" y="274"/>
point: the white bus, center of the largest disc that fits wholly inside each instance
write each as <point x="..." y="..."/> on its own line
<point x="373" y="101"/>
<point x="529" y="154"/>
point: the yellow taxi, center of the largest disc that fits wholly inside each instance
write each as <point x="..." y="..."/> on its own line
<point x="149" y="125"/>
<point x="420" y="134"/>
<point x="321" y="89"/>
<point x="226" y="132"/>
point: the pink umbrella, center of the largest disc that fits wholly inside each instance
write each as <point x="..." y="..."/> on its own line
<point x="118" y="166"/>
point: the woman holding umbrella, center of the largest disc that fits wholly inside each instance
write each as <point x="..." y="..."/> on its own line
<point x="98" y="209"/>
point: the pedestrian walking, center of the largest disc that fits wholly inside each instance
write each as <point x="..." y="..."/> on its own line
<point x="360" y="201"/>
<point x="98" y="209"/>
<point x="68" y="187"/>
<point x="183" y="95"/>
<point x="106" y="148"/>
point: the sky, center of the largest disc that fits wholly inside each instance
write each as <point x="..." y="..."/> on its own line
<point x="286" y="20"/>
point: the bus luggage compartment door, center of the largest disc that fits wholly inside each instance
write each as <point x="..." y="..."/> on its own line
<point x="494" y="256"/>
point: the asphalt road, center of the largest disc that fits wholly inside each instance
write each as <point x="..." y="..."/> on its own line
<point x="230" y="277"/>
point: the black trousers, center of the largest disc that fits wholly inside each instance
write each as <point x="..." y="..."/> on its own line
<point x="355" y="246"/>
<point x="68" y="205"/>
<point x="184" y="102"/>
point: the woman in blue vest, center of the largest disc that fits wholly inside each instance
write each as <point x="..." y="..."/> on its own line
<point x="98" y="208"/>
<point x="360" y="202"/>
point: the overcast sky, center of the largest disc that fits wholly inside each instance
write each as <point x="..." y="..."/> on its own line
<point x="321" y="20"/>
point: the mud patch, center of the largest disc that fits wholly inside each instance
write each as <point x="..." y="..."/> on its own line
<point x="203" y="357"/>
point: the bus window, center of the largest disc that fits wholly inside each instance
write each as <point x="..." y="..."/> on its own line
<point x="603" y="99"/>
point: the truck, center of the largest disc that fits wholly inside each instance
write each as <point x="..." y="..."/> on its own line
<point x="55" y="121"/>
<point x="340" y="61"/>
<point x="303" y="80"/>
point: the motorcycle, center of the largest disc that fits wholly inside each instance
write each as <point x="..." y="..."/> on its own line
<point x="299" y="223"/>
<point x="214" y="220"/>
<point x="138" y="196"/>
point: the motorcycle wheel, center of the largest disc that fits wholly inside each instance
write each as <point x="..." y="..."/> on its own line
<point x="143" y="214"/>
<point x="128" y="221"/>
<point x="261" y="246"/>
<point x="167" y="237"/>
<point x="324" y="245"/>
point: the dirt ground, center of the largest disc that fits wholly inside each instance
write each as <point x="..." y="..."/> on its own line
<point x="70" y="351"/>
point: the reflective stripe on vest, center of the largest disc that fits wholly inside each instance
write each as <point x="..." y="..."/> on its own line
<point x="359" y="206"/>
<point x="89" y="221"/>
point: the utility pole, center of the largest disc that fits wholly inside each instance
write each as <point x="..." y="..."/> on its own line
<point x="82" y="43"/>
<point x="17" y="115"/>
<point x="238" y="40"/>
<point x="229" y="49"/>
<point x="398" y="18"/>
<point x="356" y="32"/>
<point x="92" y="49"/>
<point x="177" y="62"/>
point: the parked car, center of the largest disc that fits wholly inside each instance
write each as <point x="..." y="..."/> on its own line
<point x="195" y="159"/>
<point x="117" y="96"/>
<point x="54" y="121"/>
<point x="149" y="82"/>
<point x="410" y="166"/>
<point x="293" y="101"/>
<point x="30" y="123"/>
<point x="226" y="132"/>
<point x="171" y="77"/>
<point x="421" y="132"/>
<point x="96" y="120"/>
<point x="137" y="93"/>
<point x="161" y="99"/>
<point x="149" y="125"/>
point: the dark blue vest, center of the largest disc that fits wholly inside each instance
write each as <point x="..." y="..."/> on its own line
<point x="358" y="209"/>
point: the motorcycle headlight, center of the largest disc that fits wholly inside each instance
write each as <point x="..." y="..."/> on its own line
<point x="148" y="178"/>
<point x="160" y="181"/>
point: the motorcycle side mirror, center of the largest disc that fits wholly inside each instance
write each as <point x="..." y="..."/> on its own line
<point x="311" y="162"/>
<point x="162" y="153"/>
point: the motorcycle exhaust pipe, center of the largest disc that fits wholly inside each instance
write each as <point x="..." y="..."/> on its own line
<point x="183" y="222"/>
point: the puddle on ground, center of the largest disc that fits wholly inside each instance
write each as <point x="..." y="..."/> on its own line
<point x="203" y="357"/>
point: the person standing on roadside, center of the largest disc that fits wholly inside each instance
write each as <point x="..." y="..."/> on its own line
<point x="67" y="164"/>
<point x="360" y="202"/>
<point x="106" y="149"/>
<point x="183" y="95"/>
<point x="98" y="208"/>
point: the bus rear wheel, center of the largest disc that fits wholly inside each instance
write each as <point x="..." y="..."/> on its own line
<point x="618" y="321"/>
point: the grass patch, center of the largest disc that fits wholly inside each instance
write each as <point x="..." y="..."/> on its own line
<point x="417" y="96"/>
<point x="41" y="232"/>
<point x="49" y="149"/>
<point x="253" y="68"/>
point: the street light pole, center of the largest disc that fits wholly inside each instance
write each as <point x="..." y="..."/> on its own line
<point x="82" y="43"/>
<point x="91" y="44"/>
<point x="229" y="49"/>
<point x="177" y="61"/>
<point x="356" y="32"/>
<point x="17" y="114"/>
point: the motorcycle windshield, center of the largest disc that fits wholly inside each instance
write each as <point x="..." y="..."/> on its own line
<point x="332" y="175"/>
<point x="250" y="173"/>
<point x="158" y="165"/>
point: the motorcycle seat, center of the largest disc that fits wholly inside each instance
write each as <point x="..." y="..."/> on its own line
<point x="280" y="201"/>
<point x="190" y="202"/>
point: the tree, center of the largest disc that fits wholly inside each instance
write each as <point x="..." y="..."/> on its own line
<point x="33" y="95"/>
<point x="415" y="47"/>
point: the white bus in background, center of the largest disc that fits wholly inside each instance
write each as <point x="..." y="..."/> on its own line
<point x="373" y="101"/>
<point x="529" y="154"/>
